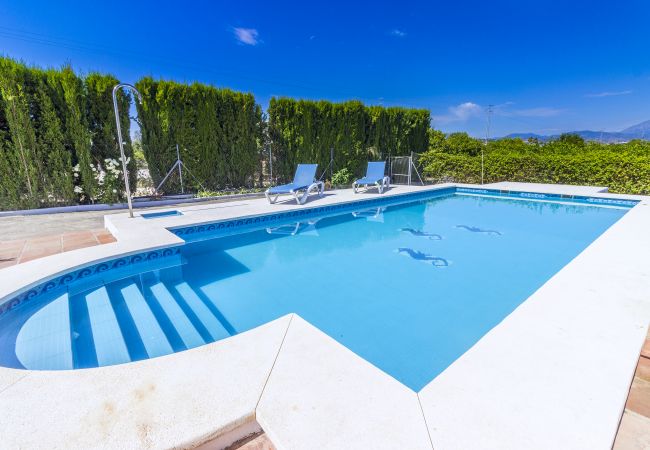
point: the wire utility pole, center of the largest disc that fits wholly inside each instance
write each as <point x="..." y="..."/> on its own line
<point x="489" y="110"/>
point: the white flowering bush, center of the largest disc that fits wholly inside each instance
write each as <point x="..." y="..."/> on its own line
<point x="109" y="181"/>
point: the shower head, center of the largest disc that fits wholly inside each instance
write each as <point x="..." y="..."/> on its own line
<point x="132" y="88"/>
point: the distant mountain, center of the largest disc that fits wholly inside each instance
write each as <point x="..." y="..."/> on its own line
<point x="642" y="128"/>
<point x="526" y="136"/>
<point x="638" y="131"/>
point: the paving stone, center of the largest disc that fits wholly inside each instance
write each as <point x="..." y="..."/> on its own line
<point x="105" y="237"/>
<point x="639" y="398"/>
<point x="7" y="263"/>
<point x="261" y="442"/>
<point x="634" y="432"/>
<point x="72" y="241"/>
<point x="643" y="369"/>
<point x="645" y="351"/>
<point x="23" y="250"/>
<point x="11" y="250"/>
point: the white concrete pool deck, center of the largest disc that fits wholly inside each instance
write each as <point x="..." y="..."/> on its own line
<point x="547" y="188"/>
<point x="555" y="373"/>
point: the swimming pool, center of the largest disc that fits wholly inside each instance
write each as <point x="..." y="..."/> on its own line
<point x="409" y="287"/>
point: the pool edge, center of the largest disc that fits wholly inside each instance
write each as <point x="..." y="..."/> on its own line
<point x="281" y="429"/>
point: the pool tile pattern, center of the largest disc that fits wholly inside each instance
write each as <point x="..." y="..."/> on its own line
<point x="551" y="197"/>
<point x="240" y="225"/>
<point x="120" y="266"/>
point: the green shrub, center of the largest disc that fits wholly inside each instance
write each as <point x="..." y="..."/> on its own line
<point x="47" y="127"/>
<point x="302" y="131"/>
<point x="624" y="168"/>
<point x="342" y="177"/>
<point x="218" y="132"/>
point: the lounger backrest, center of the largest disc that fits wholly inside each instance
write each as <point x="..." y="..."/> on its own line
<point x="305" y="174"/>
<point x="376" y="170"/>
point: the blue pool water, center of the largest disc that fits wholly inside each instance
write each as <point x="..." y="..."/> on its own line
<point x="408" y="287"/>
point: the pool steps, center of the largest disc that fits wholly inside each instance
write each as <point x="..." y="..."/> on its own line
<point x="120" y="324"/>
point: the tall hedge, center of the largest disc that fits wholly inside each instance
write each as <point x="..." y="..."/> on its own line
<point x="219" y="132"/>
<point x="100" y="116"/>
<point x="305" y="131"/>
<point x="624" y="168"/>
<point x="45" y="132"/>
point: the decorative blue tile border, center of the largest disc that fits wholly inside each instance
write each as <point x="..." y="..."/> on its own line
<point x="582" y="199"/>
<point x="207" y="231"/>
<point x="610" y="201"/>
<point x="61" y="283"/>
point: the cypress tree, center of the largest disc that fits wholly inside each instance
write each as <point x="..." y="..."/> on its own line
<point x="22" y="149"/>
<point x="218" y="131"/>
<point x="305" y="131"/>
<point x="77" y="133"/>
<point x="56" y="158"/>
<point x="100" y="116"/>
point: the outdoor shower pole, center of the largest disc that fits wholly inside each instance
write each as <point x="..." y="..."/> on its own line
<point x="121" y="142"/>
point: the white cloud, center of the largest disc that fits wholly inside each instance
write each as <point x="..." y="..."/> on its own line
<point x="468" y="110"/>
<point x="459" y="113"/>
<point x="398" y="33"/>
<point x="248" y="36"/>
<point x="608" y="94"/>
<point x="465" y="110"/>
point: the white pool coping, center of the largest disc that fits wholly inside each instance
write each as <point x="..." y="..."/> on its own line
<point x="555" y="373"/>
<point x="547" y="188"/>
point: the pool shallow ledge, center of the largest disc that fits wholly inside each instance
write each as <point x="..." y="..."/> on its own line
<point x="552" y="374"/>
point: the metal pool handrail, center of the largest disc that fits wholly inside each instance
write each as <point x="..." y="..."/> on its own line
<point x="121" y="142"/>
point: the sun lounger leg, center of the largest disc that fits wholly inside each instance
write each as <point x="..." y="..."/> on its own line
<point x="314" y="187"/>
<point x="269" y="197"/>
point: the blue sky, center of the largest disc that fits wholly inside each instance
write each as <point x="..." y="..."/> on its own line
<point x="547" y="66"/>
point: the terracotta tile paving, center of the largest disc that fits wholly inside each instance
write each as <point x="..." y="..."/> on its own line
<point x="634" y="430"/>
<point x="81" y="239"/>
<point x="259" y="442"/>
<point x="23" y="250"/>
<point x="645" y="351"/>
<point x="639" y="398"/>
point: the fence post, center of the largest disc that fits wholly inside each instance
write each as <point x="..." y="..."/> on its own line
<point x="270" y="166"/>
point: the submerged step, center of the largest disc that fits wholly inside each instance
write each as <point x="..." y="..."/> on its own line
<point x="182" y="324"/>
<point x="107" y="335"/>
<point x="152" y="335"/>
<point x="209" y="320"/>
